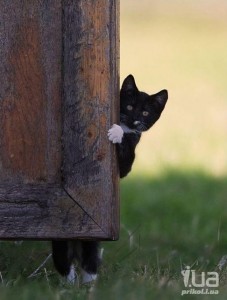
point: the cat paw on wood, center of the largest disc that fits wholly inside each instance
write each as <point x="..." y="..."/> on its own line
<point x="115" y="134"/>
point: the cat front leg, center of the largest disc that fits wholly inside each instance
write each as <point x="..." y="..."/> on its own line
<point x="115" y="134"/>
<point x="90" y="261"/>
<point x="63" y="254"/>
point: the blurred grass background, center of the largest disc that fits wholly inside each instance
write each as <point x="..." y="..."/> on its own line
<point x="173" y="204"/>
<point x="181" y="46"/>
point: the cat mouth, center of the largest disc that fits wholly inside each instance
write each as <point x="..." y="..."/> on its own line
<point x="134" y="126"/>
<point x="139" y="126"/>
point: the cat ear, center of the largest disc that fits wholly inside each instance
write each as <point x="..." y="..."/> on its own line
<point x="129" y="84"/>
<point x="161" y="98"/>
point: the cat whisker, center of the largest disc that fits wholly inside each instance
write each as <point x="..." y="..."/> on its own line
<point x="142" y="127"/>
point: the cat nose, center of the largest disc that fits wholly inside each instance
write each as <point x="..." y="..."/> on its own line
<point x="136" y="123"/>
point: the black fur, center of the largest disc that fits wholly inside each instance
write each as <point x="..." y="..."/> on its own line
<point x="87" y="252"/>
<point x="140" y="102"/>
<point x="63" y="256"/>
<point x="90" y="260"/>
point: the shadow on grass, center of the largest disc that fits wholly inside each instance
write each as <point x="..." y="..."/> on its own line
<point x="169" y="221"/>
<point x="172" y="220"/>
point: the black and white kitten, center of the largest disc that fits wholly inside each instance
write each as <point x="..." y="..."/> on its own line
<point x="138" y="112"/>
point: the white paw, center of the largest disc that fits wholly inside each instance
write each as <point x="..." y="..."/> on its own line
<point x="88" y="277"/>
<point x="115" y="134"/>
<point x="72" y="275"/>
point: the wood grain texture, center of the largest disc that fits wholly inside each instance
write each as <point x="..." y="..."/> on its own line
<point x="91" y="107"/>
<point x="58" y="98"/>
<point x="42" y="211"/>
<point x="30" y="103"/>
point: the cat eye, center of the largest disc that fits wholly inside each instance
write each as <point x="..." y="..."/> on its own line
<point x="129" y="107"/>
<point x="145" y="113"/>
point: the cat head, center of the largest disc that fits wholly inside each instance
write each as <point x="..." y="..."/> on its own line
<point x="138" y="110"/>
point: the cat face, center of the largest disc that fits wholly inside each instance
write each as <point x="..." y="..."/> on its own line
<point x="138" y="110"/>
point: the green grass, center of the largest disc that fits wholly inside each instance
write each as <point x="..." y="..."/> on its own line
<point x="173" y="204"/>
<point x="168" y="221"/>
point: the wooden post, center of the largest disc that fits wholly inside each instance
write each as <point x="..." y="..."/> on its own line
<point x="58" y="98"/>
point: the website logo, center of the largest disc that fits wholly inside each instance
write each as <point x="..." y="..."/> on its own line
<point x="200" y="283"/>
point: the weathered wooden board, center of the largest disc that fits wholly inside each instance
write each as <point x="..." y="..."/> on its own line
<point x="58" y="97"/>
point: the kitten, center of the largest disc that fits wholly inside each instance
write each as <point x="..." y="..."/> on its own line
<point x="138" y="112"/>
